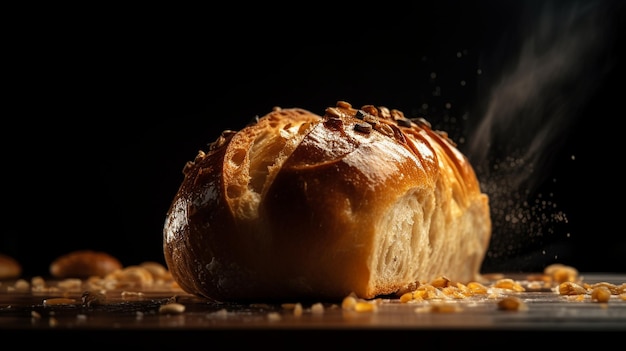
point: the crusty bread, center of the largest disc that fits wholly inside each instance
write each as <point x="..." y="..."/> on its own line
<point x="297" y="206"/>
<point x="10" y="268"/>
<point x="84" y="264"/>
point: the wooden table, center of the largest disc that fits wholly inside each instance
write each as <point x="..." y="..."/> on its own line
<point x="469" y="320"/>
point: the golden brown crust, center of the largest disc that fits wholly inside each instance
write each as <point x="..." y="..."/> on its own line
<point x="299" y="206"/>
<point x="10" y="268"/>
<point x="84" y="264"/>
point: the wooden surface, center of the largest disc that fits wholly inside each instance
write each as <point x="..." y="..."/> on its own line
<point x="547" y="310"/>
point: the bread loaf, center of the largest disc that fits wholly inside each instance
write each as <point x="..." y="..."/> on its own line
<point x="10" y="268"/>
<point x="298" y="206"/>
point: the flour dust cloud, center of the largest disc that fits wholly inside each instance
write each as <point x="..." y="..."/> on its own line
<point x="531" y="91"/>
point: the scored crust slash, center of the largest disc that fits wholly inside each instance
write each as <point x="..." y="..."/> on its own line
<point x="300" y="206"/>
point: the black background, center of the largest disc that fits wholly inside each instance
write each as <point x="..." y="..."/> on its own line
<point x="105" y="105"/>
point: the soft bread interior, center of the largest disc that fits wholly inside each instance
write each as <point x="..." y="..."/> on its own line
<point x="403" y="243"/>
<point x="424" y="236"/>
<point x="432" y="232"/>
